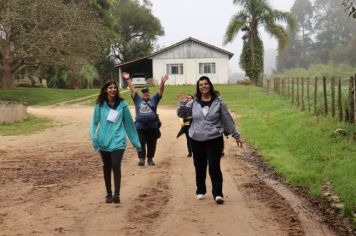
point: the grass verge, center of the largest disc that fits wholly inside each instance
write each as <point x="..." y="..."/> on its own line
<point x="44" y="96"/>
<point x="30" y="125"/>
<point x="303" y="148"/>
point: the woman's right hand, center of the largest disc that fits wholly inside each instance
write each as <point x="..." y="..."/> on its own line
<point x="125" y="75"/>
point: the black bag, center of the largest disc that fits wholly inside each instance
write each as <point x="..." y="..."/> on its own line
<point x="158" y="121"/>
<point x="157" y="133"/>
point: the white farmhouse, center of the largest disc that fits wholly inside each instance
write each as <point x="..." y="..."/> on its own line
<point x="184" y="62"/>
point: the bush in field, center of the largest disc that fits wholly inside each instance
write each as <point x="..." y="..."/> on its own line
<point x="88" y="74"/>
<point x="57" y="77"/>
<point x="244" y="82"/>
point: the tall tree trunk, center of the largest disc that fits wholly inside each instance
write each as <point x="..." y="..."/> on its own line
<point x="6" y="75"/>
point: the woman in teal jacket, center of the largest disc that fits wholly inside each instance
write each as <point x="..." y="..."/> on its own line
<point x="111" y="123"/>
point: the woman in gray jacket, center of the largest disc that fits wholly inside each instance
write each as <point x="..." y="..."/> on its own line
<point x="210" y="117"/>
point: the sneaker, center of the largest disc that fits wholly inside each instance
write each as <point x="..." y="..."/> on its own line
<point x="219" y="200"/>
<point x="116" y="199"/>
<point x="200" y="196"/>
<point x="150" y="162"/>
<point x="141" y="162"/>
<point x="108" y="198"/>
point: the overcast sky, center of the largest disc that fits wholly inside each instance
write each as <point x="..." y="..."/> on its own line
<point x="205" y="20"/>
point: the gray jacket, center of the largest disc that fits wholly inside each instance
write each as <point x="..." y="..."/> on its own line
<point x="210" y="126"/>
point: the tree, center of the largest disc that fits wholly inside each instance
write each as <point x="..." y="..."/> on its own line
<point x="299" y="52"/>
<point x="332" y="28"/>
<point x="344" y="54"/>
<point x="350" y="7"/>
<point x="51" y="32"/>
<point x="138" y="29"/>
<point x="256" y="14"/>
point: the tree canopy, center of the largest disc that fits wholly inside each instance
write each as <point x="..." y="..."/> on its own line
<point x="257" y="14"/>
<point x="51" y="32"/>
<point x="138" y="29"/>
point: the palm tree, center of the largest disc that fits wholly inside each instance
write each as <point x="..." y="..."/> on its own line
<point x="257" y="14"/>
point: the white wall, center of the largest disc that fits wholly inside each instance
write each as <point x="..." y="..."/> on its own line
<point x="191" y="70"/>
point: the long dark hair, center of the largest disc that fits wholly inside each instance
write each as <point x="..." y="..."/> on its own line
<point x="103" y="97"/>
<point x="212" y="91"/>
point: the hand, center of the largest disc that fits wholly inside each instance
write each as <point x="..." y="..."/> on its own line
<point x="181" y="97"/>
<point x="238" y="142"/>
<point x="125" y="75"/>
<point x="164" y="79"/>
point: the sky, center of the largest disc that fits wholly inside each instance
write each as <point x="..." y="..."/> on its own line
<point x="206" y="20"/>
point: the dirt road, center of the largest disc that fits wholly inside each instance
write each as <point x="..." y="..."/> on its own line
<point x="51" y="184"/>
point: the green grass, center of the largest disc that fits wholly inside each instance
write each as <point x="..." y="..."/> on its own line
<point x="301" y="147"/>
<point x="30" y="125"/>
<point x="44" y="96"/>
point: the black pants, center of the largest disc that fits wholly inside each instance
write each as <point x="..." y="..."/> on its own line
<point x="208" y="153"/>
<point x="189" y="142"/>
<point x="112" y="161"/>
<point x="147" y="138"/>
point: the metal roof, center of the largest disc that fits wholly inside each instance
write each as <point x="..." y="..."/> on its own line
<point x="175" y="45"/>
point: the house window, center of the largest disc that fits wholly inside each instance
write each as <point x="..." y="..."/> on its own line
<point x="206" y="68"/>
<point x="175" y="69"/>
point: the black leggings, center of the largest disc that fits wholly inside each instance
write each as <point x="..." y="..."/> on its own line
<point x="208" y="153"/>
<point x="147" y="137"/>
<point x="189" y="142"/>
<point x="112" y="161"/>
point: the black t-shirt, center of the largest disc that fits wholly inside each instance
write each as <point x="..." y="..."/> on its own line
<point x="204" y="103"/>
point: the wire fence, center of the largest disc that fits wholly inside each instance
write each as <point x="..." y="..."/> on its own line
<point x="324" y="96"/>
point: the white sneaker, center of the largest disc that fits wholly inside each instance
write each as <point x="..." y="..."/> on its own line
<point x="200" y="196"/>
<point x="219" y="200"/>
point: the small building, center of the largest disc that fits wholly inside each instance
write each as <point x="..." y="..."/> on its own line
<point x="184" y="62"/>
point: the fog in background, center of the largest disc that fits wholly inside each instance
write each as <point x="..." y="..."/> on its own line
<point x="207" y="20"/>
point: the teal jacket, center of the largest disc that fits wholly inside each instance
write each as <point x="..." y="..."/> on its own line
<point x="108" y="136"/>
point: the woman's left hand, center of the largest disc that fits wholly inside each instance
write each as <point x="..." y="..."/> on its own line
<point x="238" y="142"/>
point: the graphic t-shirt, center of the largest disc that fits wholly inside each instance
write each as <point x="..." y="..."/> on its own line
<point x="145" y="116"/>
<point x="205" y="106"/>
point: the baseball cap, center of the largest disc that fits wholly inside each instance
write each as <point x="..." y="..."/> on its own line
<point x="145" y="90"/>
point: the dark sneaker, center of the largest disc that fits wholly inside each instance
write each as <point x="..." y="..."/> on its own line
<point x="141" y="162"/>
<point x="150" y="162"/>
<point x="116" y="199"/>
<point x="108" y="198"/>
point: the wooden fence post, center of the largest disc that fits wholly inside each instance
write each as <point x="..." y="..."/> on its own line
<point x="302" y="100"/>
<point x="354" y="89"/>
<point x="308" y="93"/>
<point x="288" y="87"/>
<point x="325" y="97"/>
<point x="351" y="107"/>
<point x="333" y="97"/>
<point x="340" y="101"/>
<point x="315" y="93"/>
<point x="298" y="104"/>
<point x="268" y="86"/>
<point x="293" y="91"/>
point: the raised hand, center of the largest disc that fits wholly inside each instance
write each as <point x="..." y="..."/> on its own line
<point x="182" y="97"/>
<point x="125" y="75"/>
<point x="164" y="79"/>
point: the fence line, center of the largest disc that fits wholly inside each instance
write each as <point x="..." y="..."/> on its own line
<point x="338" y="95"/>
